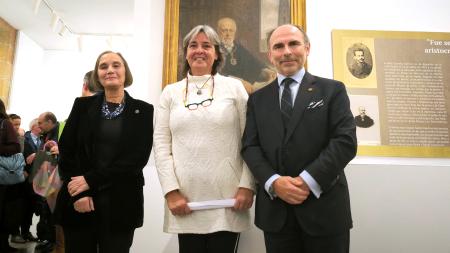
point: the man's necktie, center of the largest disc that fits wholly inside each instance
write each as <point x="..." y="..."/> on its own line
<point x="286" y="101"/>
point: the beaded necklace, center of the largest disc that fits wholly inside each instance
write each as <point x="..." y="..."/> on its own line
<point x="107" y="114"/>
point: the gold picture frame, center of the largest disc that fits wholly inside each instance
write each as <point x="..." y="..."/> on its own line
<point x="8" y="36"/>
<point x="297" y="12"/>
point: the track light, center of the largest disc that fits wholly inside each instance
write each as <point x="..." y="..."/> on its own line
<point x="62" y="31"/>
<point x="54" y="23"/>
<point x="37" y="4"/>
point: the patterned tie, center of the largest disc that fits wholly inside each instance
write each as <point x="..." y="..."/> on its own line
<point x="286" y="101"/>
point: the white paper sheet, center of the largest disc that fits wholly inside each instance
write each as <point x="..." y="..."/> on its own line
<point x="211" y="204"/>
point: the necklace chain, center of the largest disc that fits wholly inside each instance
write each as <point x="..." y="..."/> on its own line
<point x="203" y="85"/>
<point x="199" y="89"/>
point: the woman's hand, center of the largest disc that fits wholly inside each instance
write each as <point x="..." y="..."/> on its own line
<point x="84" y="205"/>
<point x="244" y="199"/>
<point x="30" y="158"/>
<point x="54" y="150"/>
<point x="177" y="203"/>
<point x="77" y="185"/>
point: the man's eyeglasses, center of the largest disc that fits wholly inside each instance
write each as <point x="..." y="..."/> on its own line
<point x="204" y="103"/>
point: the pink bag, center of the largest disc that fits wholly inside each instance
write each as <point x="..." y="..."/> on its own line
<point x="47" y="182"/>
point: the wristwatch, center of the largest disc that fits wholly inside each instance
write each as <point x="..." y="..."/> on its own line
<point x="272" y="193"/>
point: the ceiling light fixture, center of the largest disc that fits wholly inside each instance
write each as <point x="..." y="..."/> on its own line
<point x="62" y="31"/>
<point x="54" y="23"/>
<point x="37" y="4"/>
<point x="65" y="29"/>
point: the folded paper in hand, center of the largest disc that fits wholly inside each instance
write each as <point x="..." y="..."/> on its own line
<point x="211" y="204"/>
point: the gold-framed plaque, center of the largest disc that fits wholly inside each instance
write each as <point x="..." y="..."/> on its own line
<point x="399" y="85"/>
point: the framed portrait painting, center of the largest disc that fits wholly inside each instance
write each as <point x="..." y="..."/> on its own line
<point x="242" y="27"/>
<point x="7" y="46"/>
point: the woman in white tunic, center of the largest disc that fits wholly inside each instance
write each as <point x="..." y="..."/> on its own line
<point x="197" y="139"/>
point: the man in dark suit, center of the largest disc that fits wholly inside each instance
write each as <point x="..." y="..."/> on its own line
<point x="362" y="120"/>
<point x="31" y="147"/>
<point x="299" y="136"/>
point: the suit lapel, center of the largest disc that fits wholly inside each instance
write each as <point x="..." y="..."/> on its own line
<point x="127" y="120"/>
<point x="92" y="128"/>
<point x="94" y="113"/>
<point x="274" y="108"/>
<point x="302" y="100"/>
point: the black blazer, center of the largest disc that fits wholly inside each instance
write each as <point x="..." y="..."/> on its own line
<point x="320" y="137"/>
<point x="123" y="178"/>
<point x="29" y="148"/>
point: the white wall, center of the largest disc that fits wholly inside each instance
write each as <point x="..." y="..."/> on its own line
<point x="26" y="77"/>
<point x="398" y="205"/>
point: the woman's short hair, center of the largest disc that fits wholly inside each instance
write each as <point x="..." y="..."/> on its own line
<point x="34" y="122"/>
<point x="3" y="114"/>
<point x="95" y="79"/>
<point x="215" y="40"/>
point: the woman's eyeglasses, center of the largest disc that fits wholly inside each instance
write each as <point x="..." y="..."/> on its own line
<point x="204" y="103"/>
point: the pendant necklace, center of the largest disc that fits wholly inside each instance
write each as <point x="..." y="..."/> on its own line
<point x="199" y="90"/>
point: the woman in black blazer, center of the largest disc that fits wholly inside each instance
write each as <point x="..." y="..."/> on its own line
<point x="105" y="144"/>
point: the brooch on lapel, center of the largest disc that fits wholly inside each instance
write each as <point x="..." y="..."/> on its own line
<point x="136" y="111"/>
<point x="315" y="104"/>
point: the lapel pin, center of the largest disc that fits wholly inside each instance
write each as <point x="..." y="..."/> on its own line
<point x="136" y="111"/>
<point x="310" y="89"/>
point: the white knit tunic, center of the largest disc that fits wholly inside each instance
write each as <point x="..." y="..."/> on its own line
<point x="198" y="151"/>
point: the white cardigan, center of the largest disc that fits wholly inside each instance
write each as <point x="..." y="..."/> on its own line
<point x="198" y="152"/>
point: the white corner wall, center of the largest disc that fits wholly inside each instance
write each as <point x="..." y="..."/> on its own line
<point x="398" y="205"/>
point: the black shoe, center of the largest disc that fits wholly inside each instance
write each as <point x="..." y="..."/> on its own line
<point x="29" y="237"/>
<point x="46" y="246"/>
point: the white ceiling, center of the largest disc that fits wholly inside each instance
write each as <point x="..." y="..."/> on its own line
<point x="101" y="17"/>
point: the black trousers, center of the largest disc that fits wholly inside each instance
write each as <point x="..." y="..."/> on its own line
<point x="98" y="236"/>
<point x="45" y="229"/>
<point x="292" y="239"/>
<point x="4" y="233"/>
<point x="218" y="242"/>
<point x="82" y="239"/>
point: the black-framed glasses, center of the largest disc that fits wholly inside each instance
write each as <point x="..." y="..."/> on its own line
<point x="204" y="103"/>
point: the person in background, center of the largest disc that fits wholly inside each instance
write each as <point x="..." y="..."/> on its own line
<point x="89" y="88"/>
<point x="105" y="144"/>
<point x="199" y="124"/>
<point x="24" y="191"/>
<point x="31" y="146"/>
<point x="49" y="126"/>
<point x="17" y="121"/>
<point x="9" y="145"/>
<point x="19" y="191"/>
<point x="299" y="136"/>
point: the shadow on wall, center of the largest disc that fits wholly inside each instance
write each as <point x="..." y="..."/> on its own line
<point x="172" y="245"/>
